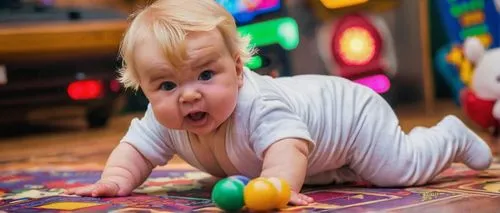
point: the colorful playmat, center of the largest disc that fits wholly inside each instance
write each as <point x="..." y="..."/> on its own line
<point x="183" y="189"/>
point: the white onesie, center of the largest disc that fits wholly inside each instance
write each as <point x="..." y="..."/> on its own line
<point x="352" y="132"/>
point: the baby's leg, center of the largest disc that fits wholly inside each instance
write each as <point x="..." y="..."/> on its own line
<point x="384" y="155"/>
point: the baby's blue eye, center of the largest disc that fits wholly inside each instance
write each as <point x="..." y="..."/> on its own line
<point x="206" y="75"/>
<point x="167" y="85"/>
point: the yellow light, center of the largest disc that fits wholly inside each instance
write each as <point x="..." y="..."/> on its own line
<point x="357" y="46"/>
<point x="333" y="4"/>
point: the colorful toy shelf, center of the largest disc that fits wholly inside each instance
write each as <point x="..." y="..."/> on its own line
<point x="462" y="19"/>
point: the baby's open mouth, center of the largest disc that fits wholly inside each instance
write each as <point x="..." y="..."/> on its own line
<point x="196" y="116"/>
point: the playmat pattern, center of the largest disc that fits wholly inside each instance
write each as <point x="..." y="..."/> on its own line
<point x="184" y="189"/>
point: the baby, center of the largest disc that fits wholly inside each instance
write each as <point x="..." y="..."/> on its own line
<point x="222" y="118"/>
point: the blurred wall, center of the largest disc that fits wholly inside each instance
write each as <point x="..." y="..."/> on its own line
<point x="305" y="59"/>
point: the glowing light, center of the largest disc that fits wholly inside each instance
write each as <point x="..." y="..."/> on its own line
<point x="357" y="46"/>
<point x="379" y="83"/>
<point x="254" y="63"/>
<point x="282" y="31"/>
<point x="289" y="34"/>
<point x="245" y="11"/>
<point x="85" y="89"/>
<point x="332" y="4"/>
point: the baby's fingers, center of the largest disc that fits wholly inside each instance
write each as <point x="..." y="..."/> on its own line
<point x="82" y="191"/>
<point x="300" y="199"/>
<point x="99" y="189"/>
<point x="105" y="190"/>
<point x="306" y="198"/>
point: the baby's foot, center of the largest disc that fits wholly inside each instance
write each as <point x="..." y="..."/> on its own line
<point x="475" y="153"/>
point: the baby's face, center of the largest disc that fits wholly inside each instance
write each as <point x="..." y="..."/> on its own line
<point x="202" y="94"/>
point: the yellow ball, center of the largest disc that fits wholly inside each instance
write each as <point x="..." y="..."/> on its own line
<point x="260" y="195"/>
<point x="284" y="191"/>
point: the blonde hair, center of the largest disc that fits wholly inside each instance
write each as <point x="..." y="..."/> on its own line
<point x="169" y="21"/>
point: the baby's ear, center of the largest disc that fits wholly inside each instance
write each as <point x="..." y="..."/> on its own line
<point x="473" y="49"/>
<point x="239" y="68"/>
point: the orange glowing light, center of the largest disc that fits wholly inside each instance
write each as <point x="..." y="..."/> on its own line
<point x="333" y="4"/>
<point x="357" y="46"/>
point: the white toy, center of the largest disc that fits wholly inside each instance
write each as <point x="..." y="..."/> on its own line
<point x="486" y="77"/>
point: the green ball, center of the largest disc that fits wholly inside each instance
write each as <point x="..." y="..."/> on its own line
<point x="227" y="194"/>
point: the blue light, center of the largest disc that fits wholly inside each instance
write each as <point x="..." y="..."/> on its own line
<point x="243" y="12"/>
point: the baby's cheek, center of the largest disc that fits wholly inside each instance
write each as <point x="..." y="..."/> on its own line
<point x="222" y="98"/>
<point x="167" y="113"/>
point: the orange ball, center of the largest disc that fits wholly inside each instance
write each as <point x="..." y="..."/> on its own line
<point x="284" y="191"/>
<point x="260" y="195"/>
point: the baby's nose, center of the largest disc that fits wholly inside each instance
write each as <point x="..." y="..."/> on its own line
<point x="189" y="95"/>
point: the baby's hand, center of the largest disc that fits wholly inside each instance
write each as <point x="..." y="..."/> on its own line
<point x="300" y="199"/>
<point x="103" y="188"/>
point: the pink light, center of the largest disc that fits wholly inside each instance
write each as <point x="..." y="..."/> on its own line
<point x="379" y="83"/>
<point x="265" y="4"/>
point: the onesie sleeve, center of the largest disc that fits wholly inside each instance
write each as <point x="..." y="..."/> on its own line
<point x="150" y="138"/>
<point x="272" y="121"/>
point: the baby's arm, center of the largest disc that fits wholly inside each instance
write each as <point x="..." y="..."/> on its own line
<point x="125" y="170"/>
<point x="287" y="159"/>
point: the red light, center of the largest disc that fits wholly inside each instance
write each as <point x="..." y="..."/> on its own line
<point x="356" y="46"/>
<point x="85" y="89"/>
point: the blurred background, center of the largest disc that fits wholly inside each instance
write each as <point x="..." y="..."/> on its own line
<point x="58" y="58"/>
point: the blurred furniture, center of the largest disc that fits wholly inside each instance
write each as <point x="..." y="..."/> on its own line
<point x="427" y="76"/>
<point x="59" y="40"/>
<point x="60" y="62"/>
